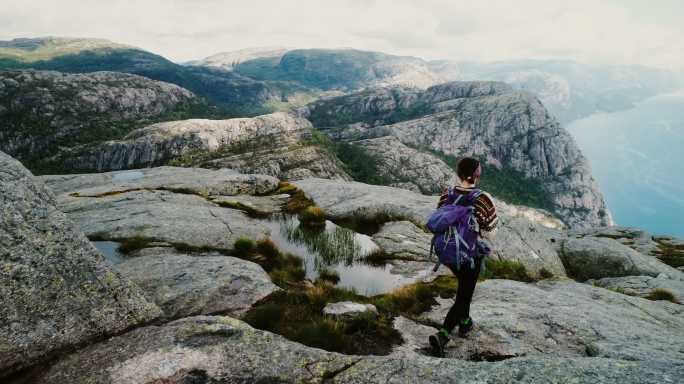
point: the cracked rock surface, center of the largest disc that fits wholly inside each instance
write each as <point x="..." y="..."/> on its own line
<point x="57" y="291"/>
<point x="225" y="350"/>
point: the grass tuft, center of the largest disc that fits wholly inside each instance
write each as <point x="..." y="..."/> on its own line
<point x="312" y="216"/>
<point x="506" y="269"/>
<point x="328" y="275"/>
<point x="662" y="294"/>
<point x="244" y="247"/>
<point x="545" y="273"/>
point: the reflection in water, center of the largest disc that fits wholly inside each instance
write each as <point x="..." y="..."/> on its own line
<point x="110" y="250"/>
<point x="335" y="248"/>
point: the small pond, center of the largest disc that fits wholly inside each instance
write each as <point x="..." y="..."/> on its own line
<point x="110" y="250"/>
<point x="335" y="248"/>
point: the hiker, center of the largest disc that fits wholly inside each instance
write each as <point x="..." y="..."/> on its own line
<point x="464" y="214"/>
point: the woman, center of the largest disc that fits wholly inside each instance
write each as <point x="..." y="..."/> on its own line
<point x="468" y="171"/>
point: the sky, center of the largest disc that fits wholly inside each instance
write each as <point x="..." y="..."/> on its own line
<point x="591" y="31"/>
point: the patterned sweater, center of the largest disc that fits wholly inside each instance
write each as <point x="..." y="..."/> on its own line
<point x="485" y="212"/>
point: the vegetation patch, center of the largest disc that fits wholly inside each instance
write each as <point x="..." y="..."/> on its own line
<point x="507" y="184"/>
<point x="312" y="217"/>
<point x="545" y="273"/>
<point x="284" y="269"/>
<point x="662" y="294"/>
<point x="506" y="269"/>
<point x="358" y="162"/>
<point x="298" y="315"/>
<point x="672" y="255"/>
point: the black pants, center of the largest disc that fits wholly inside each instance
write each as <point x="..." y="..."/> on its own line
<point x="467" y="278"/>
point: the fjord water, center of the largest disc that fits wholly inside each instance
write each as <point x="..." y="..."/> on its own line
<point x="637" y="157"/>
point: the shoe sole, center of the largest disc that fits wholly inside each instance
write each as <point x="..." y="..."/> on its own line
<point x="437" y="350"/>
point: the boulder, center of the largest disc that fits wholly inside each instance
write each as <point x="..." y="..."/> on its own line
<point x="642" y="286"/>
<point x="346" y="310"/>
<point x="198" y="284"/>
<point x="221" y="349"/>
<point x="254" y="205"/>
<point x="404" y="240"/>
<point x="559" y="317"/>
<point x="598" y="257"/>
<point x="57" y="291"/>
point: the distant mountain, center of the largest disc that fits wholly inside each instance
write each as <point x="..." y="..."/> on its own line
<point x="238" y="95"/>
<point x="327" y="69"/>
<point x="228" y="60"/>
<point x="44" y="113"/>
<point x="569" y="90"/>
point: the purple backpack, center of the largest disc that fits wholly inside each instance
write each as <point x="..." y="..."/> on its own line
<point x="456" y="240"/>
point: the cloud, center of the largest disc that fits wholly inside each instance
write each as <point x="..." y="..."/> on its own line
<point x="609" y="31"/>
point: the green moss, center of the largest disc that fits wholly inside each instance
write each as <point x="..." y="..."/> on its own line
<point x="662" y="294"/>
<point x="298" y="202"/>
<point x="506" y="269"/>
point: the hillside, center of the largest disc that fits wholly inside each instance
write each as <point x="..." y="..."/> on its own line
<point x="43" y="113"/>
<point x="237" y="95"/>
<point x="341" y="69"/>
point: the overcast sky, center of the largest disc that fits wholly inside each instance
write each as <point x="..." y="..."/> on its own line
<point x="611" y="31"/>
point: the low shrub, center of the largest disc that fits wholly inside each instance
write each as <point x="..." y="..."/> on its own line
<point x="662" y="294"/>
<point x="506" y="269"/>
<point x="312" y="216"/>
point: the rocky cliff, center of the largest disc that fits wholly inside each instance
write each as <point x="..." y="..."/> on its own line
<point x="42" y="111"/>
<point x="507" y="129"/>
<point x="179" y="231"/>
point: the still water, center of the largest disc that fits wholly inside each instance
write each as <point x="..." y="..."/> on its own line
<point x="335" y="248"/>
<point x="637" y="157"/>
<point x="110" y="250"/>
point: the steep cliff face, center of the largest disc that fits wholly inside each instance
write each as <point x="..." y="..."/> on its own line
<point x="483" y="119"/>
<point x="41" y="111"/>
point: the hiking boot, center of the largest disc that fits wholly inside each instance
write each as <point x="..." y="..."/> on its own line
<point x="438" y="342"/>
<point x="464" y="327"/>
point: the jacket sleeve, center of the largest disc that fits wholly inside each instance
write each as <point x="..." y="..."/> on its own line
<point x="485" y="213"/>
